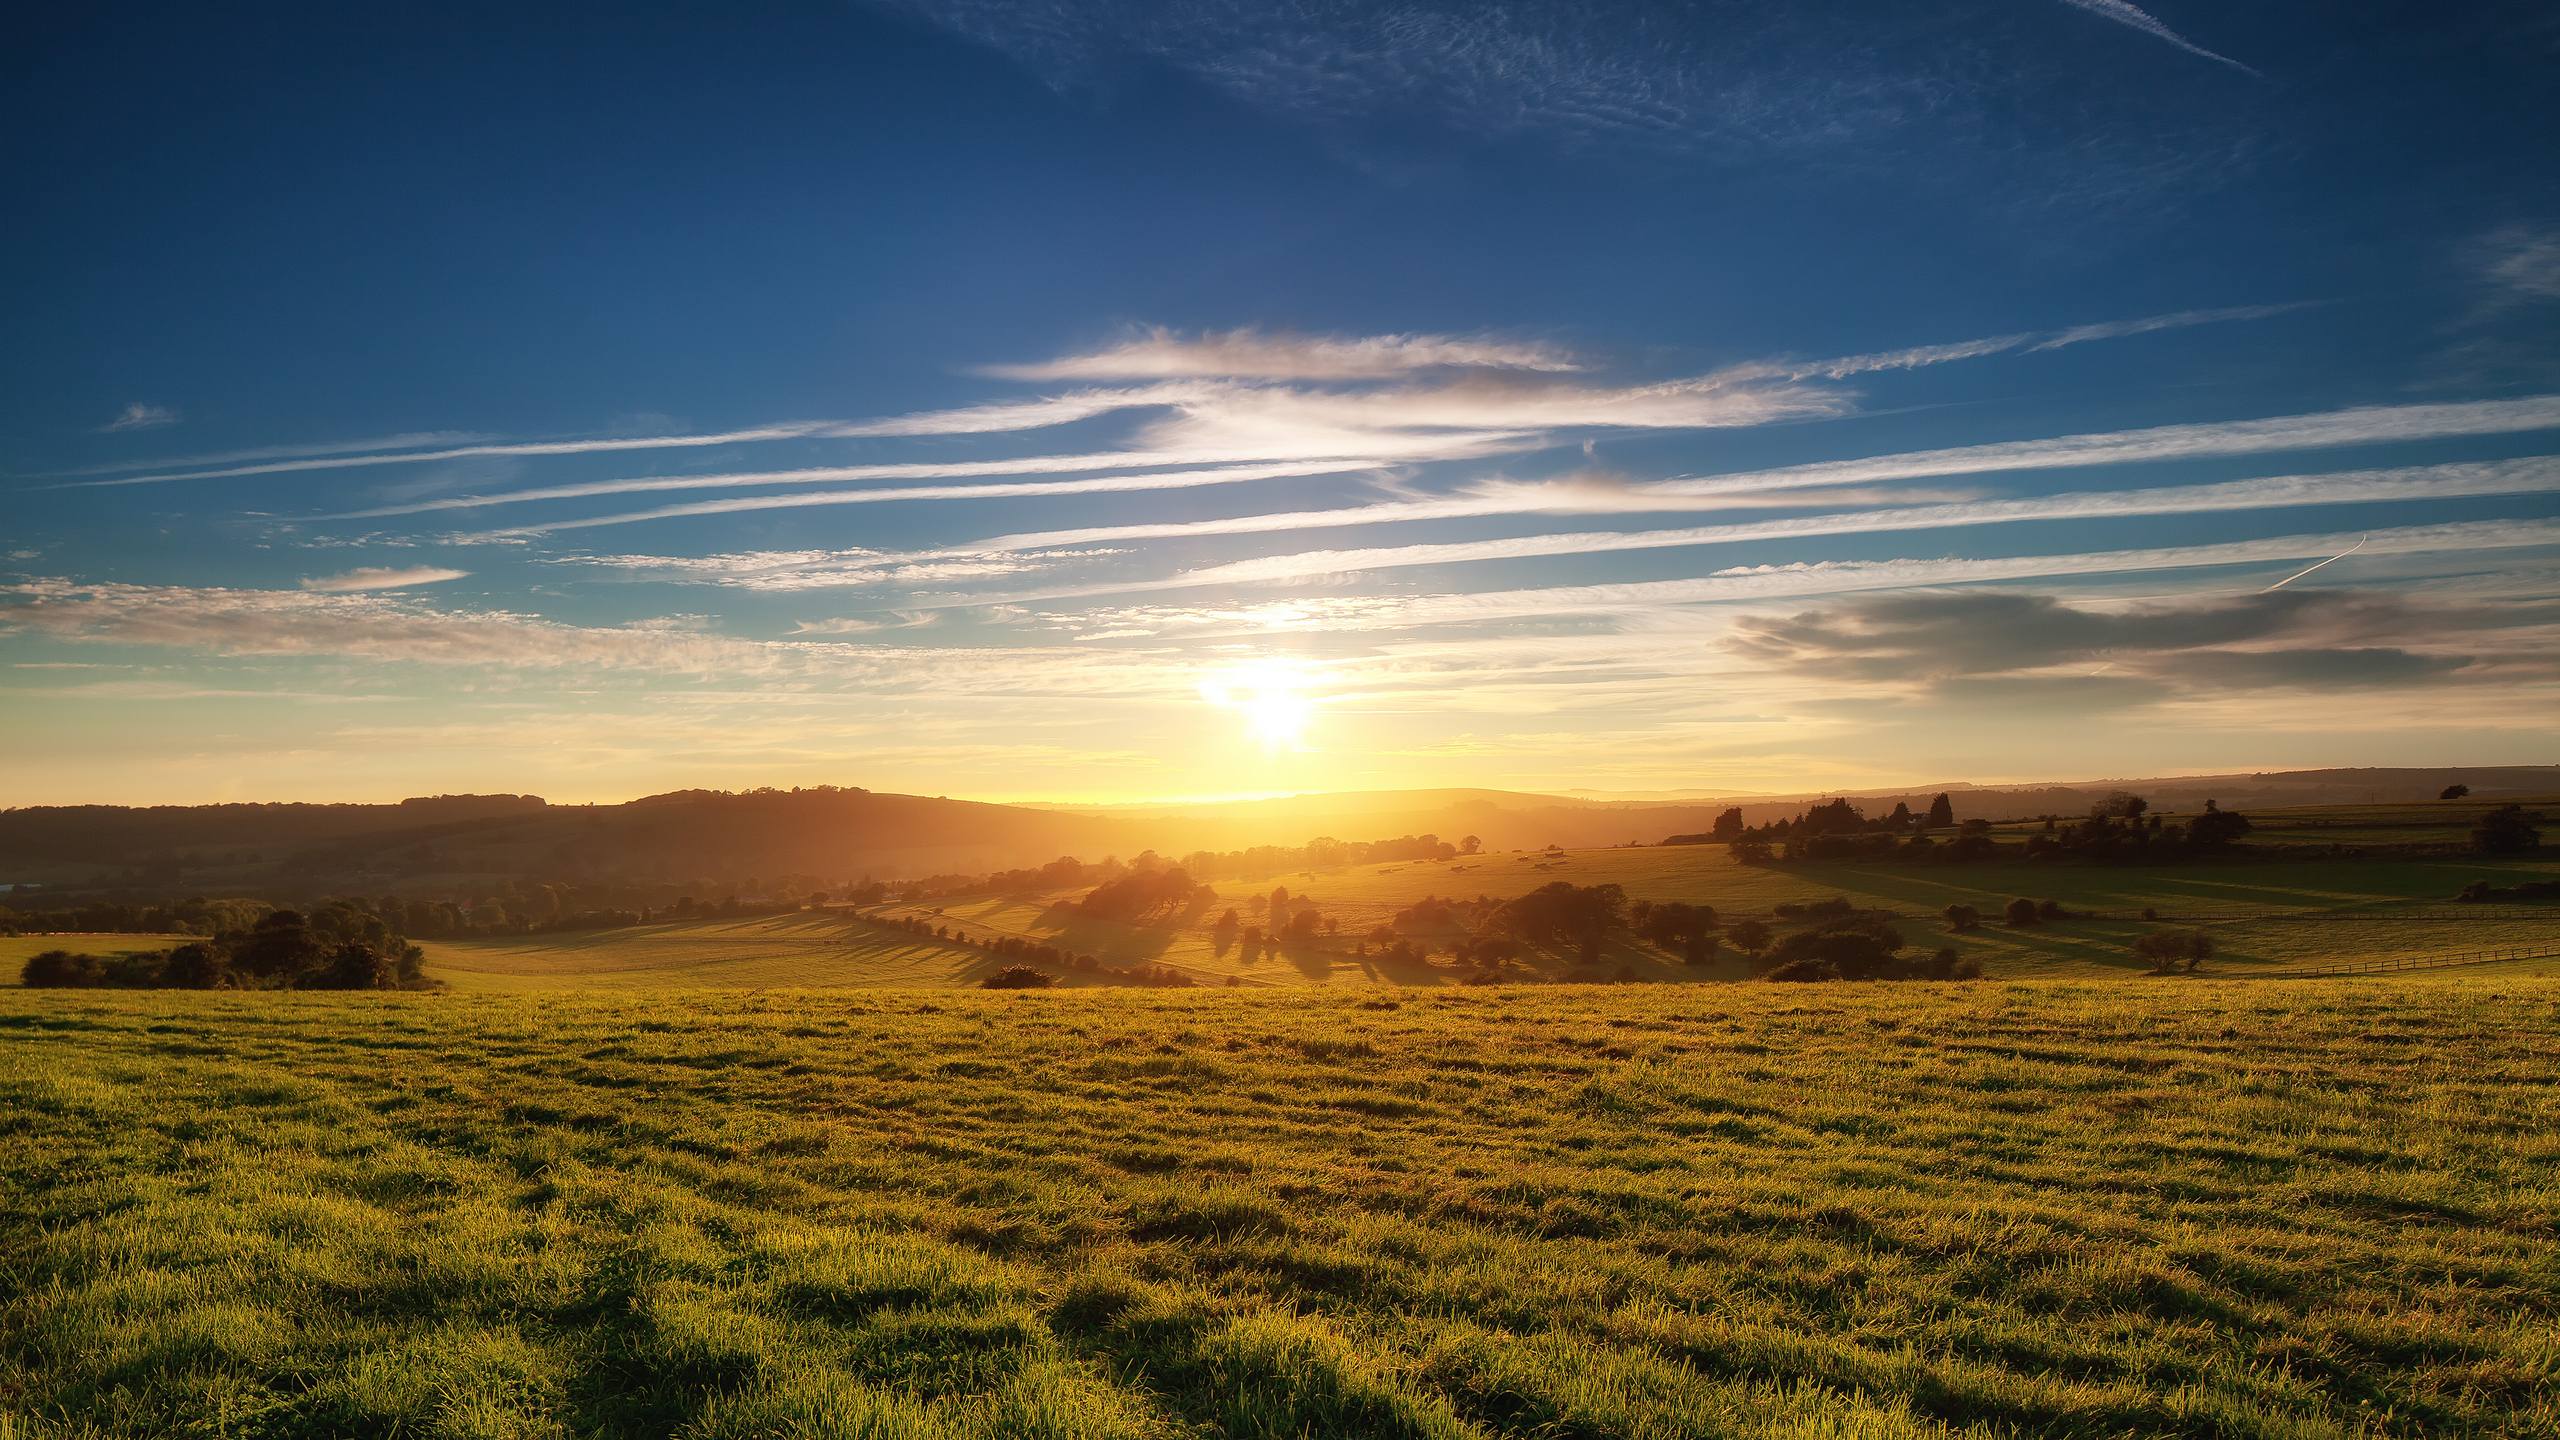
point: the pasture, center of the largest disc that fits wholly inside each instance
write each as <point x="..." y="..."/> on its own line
<point x="2168" y="1207"/>
<point x="2268" y="915"/>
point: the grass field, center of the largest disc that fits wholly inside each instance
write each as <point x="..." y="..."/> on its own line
<point x="2266" y="915"/>
<point x="17" y="950"/>
<point x="2171" y="1207"/>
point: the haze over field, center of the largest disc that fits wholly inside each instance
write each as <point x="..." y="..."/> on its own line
<point x="1128" y="403"/>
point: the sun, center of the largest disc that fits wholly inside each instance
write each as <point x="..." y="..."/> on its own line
<point x="1271" y="698"/>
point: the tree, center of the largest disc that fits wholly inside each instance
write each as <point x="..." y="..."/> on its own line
<point x="2171" y="951"/>
<point x="1728" y="825"/>
<point x="2019" y="912"/>
<point x="1961" y="918"/>
<point x="198" y="966"/>
<point x="2454" y="792"/>
<point x="1750" y="936"/>
<point x="1850" y="949"/>
<point x="2217" y="827"/>
<point x="1018" y="977"/>
<point x="1470" y="845"/>
<point x="2507" y="830"/>
<point x="2119" y="805"/>
<point x="1942" y="812"/>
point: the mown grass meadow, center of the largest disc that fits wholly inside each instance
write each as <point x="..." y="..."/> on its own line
<point x="2172" y="1207"/>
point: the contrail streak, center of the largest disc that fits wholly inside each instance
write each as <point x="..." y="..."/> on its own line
<point x="2332" y="560"/>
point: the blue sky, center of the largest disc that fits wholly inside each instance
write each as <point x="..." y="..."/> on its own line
<point x="1115" y="401"/>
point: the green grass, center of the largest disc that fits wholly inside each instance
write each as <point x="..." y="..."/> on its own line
<point x="2293" y="1209"/>
<point x="17" y="950"/>
<point x="813" y="948"/>
<point x="2264" y="914"/>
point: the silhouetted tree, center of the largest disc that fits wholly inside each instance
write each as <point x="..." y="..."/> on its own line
<point x="1942" y="812"/>
<point x="1728" y="825"/>
<point x="2169" y="951"/>
<point x="2454" y="792"/>
<point x="2507" y="830"/>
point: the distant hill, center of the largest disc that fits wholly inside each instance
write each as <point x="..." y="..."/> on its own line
<point x="832" y="836"/>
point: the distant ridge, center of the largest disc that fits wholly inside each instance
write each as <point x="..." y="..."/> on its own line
<point x="837" y="834"/>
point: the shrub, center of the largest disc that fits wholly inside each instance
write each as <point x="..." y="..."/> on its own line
<point x="1019" y="977"/>
<point x="1854" y="950"/>
<point x="1962" y="918"/>
<point x="1802" y="971"/>
<point x="2173" y="951"/>
<point x="2049" y="910"/>
<point x="2507" y="830"/>
<point x="62" y="970"/>
<point x="2020" y="912"/>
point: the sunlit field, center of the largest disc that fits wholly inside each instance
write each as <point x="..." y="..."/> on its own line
<point x="2175" y="1207"/>
<point x="15" y="950"/>
<point x="2265" y="915"/>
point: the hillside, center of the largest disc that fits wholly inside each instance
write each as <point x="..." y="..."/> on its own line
<point x="744" y="842"/>
<point x="2287" y="903"/>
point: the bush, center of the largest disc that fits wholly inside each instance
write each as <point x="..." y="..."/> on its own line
<point x="1962" y="918"/>
<point x="2172" y="952"/>
<point x="1019" y="977"/>
<point x="2020" y="912"/>
<point x="2507" y="830"/>
<point x="1801" y="972"/>
<point x="62" y="970"/>
<point x="1853" y="950"/>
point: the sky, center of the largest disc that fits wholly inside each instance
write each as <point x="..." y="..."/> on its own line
<point x="1130" y="401"/>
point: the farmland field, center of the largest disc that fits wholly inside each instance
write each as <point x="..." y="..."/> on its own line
<point x="2140" y="1208"/>
<point x="2266" y="915"/>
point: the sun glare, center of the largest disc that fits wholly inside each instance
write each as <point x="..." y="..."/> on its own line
<point x="1271" y="698"/>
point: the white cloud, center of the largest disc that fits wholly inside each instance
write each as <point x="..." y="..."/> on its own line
<point x="2368" y="425"/>
<point x="1832" y="577"/>
<point x="795" y="431"/>
<point x="855" y="625"/>
<point x="290" y="452"/>
<point x="2433" y="482"/>
<point x="1160" y="354"/>
<point x="922" y="470"/>
<point x="785" y="571"/>
<point x="1105" y="484"/>
<point x="138" y="416"/>
<point x="2519" y="262"/>
<point x="2125" y="13"/>
<point x="382" y="578"/>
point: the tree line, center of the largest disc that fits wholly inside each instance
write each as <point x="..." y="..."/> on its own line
<point x="335" y="948"/>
